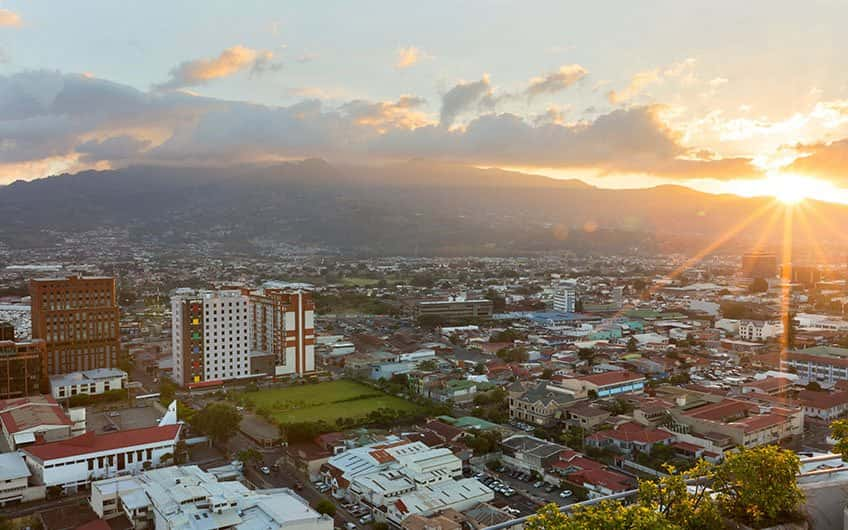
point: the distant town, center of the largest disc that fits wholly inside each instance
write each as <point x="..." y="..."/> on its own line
<point x="141" y="391"/>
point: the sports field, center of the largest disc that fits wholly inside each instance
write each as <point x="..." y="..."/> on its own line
<point x="325" y="401"/>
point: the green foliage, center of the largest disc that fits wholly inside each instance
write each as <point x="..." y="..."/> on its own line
<point x="507" y="335"/>
<point x="759" y="285"/>
<point x="512" y="355"/>
<point x="632" y="344"/>
<point x="839" y="431"/>
<point x="484" y="442"/>
<point x="110" y="396"/>
<point x="248" y="456"/>
<point x="219" y="421"/>
<point x="814" y="386"/>
<point x="758" y="486"/>
<point x="167" y="392"/>
<point x="602" y="516"/>
<point x="352" y="302"/>
<point x="326" y="507"/>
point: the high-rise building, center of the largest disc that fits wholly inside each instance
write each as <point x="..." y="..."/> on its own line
<point x="7" y="330"/>
<point x="210" y="335"/>
<point x="282" y="332"/>
<point x="22" y="370"/>
<point x="565" y="299"/>
<point x="759" y="265"/>
<point x="79" y="319"/>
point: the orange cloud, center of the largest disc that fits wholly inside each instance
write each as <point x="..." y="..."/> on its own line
<point x="409" y="56"/>
<point x="637" y="83"/>
<point x="229" y="62"/>
<point x="9" y="19"/>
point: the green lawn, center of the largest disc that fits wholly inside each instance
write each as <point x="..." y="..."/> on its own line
<point x="359" y="282"/>
<point x="325" y="401"/>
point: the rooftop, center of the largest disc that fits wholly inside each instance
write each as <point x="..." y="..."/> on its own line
<point x="93" y="443"/>
<point x="21" y="414"/>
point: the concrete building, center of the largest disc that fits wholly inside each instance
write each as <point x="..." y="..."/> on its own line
<point x="565" y="299"/>
<point x="79" y="319"/>
<point x="22" y="367"/>
<point x="14" y="478"/>
<point x="282" y="329"/>
<point x="75" y="462"/>
<point x="210" y="334"/>
<point x="28" y="418"/>
<point x="91" y="382"/>
<point x="7" y="331"/>
<point x="398" y="479"/>
<point x="759" y="265"/>
<point x="606" y="384"/>
<point x="188" y="498"/>
<point x="824" y="364"/>
<point x="454" y="309"/>
<point x="541" y="405"/>
<point x="759" y="331"/>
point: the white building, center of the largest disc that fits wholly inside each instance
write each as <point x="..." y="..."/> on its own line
<point x="77" y="461"/>
<point x="14" y="476"/>
<point x="90" y="382"/>
<point x="188" y="498"/>
<point x="26" y="419"/>
<point x="759" y="331"/>
<point x="282" y="331"/>
<point x="565" y="299"/>
<point x="401" y="478"/>
<point x="210" y="335"/>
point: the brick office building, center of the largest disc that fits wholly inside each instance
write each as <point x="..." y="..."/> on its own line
<point x="78" y="318"/>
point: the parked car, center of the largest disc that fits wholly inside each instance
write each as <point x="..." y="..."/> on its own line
<point x="367" y="519"/>
<point x="550" y="489"/>
<point x="265" y="470"/>
<point x="566" y="494"/>
<point x="539" y="484"/>
<point x="350" y="526"/>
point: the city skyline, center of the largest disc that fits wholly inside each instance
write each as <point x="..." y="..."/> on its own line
<point x="722" y="98"/>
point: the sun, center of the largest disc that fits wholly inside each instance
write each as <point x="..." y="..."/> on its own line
<point x="787" y="188"/>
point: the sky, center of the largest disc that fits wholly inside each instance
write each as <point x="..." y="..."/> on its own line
<point x="723" y="96"/>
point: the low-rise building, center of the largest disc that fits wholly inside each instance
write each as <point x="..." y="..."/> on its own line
<point x="528" y="453"/>
<point x="187" y="498"/>
<point x="630" y="437"/>
<point x="14" y="478"/>
<point x="758" y="330"/>
<point x="542" y="405"/>
<point x="76" y="462"/>
<point x="605" y="385"/>
<point x="28" y="418"/>
<point x="92" y="382"/>
<point x="825" y="364"/>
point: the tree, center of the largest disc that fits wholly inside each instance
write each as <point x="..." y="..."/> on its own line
<point x="758" y="486"/>
<point x="759" y="285"/>
<point x="248" y="456"/>
<point x="325" y="507"/>
<point x="167" y="392"/>
<point x="219" y="421"/>
<point x="632" y="344"/>
<point x="670" y="497"/>
<point x="839" y="431"/>
<point x="603" y="516"/>
<point x="547" y="373"/>
<point x="814" y="386"/>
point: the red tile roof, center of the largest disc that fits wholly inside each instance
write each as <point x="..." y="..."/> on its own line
<point x="611" y="378"/>
<point x="601" y="477"/>
<point x="20" y="414"/>
<point x="93" y="443"/>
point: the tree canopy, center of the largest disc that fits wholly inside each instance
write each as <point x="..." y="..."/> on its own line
<point x="219" y="421"/>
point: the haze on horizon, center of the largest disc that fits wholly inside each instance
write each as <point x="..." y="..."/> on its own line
<point x="747" y="98"/>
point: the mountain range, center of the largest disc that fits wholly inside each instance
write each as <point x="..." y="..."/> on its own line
<point x="417" y="207"/>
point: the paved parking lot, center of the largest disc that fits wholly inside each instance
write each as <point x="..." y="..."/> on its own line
<point x="122" y="419"/>
<point x="535" y="496"/>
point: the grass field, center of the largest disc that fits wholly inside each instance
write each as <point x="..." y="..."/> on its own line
<point x="359" y="282"/>
<point x="325" y="401"/>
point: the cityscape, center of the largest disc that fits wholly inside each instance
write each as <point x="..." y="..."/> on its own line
<point x="285" y="267"/>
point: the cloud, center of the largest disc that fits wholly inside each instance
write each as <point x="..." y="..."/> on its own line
<point x="822" y="160"/>
<point x="9" y="19"/>
<point x="384" y="115"/>
<point x="556" y="81"/>
<point x="637" y="83"/>
<point x="463" y="97"/>
<point x="264" y="62"/>
<point x="631" y="141"/>
<point x="683" y="71"/>
<point x="229" y="62"/>
<point x="51" y="122"/>
<point x="410" y="56"/>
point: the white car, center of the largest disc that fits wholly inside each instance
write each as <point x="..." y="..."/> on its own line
<point x="265" y="470"/>
<point x="566" y="494"/>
